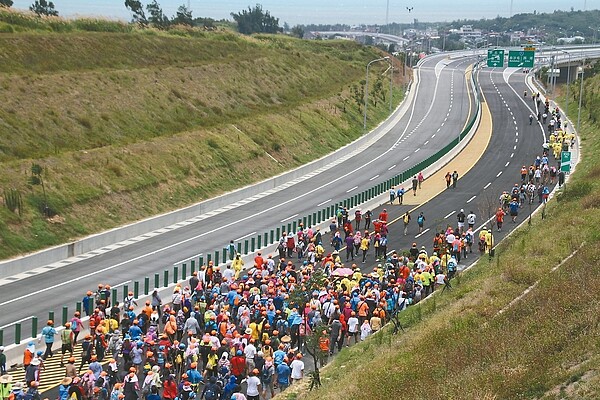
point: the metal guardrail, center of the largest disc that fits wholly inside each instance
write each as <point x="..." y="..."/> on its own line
<point x="180" y="272"/>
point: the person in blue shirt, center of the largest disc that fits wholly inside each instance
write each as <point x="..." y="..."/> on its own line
<point x="135" y="331"/>
<point x="283" y="376"/>
<point x="48" y="333"/>
<point x="513" y="207"/>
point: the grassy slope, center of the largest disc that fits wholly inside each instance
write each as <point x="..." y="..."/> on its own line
<point x="128" y="125"/>
<point x="457" y="345"/>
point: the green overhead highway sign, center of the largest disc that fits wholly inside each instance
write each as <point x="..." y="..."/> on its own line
<point x="565" y="161"/>
<point x="521" y="58"/>
<point x="495" y="58"/>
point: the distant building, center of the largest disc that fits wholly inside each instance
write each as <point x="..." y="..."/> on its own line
<point x="569" y="40"/>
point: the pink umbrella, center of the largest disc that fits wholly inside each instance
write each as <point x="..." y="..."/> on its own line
<point x="342" y="272"/>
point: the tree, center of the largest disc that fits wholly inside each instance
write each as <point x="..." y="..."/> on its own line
<point x="298" y="32"/>
<point x="35" y="179"/>
<point x="6" y="3"/>
<point x="137" y="9"/>
<point x="183" y="16"/>
<point x="43" y="7"/>
<point x="157" y="17"/>
<point x="255" y="20"/>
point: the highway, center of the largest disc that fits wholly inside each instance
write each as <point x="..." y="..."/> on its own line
<point x="433" y="119"/>
<point x="513" y="143"/>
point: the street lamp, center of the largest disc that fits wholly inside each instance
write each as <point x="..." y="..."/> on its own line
<point x="568" y="82"/>
<point x="580" y="94"/>
<point x="367" y="88"/>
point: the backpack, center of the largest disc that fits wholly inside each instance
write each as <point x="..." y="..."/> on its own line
<point x="210" y="393"/>
<point x="420" y="219"/>
<point x="266" y="373"/>
<point x="406" y="219"/>
<point x="74" y="325"/>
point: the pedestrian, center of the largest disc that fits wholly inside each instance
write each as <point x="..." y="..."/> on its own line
<point x="454" y="179"/>
<point x="392" y="195"/>
<point x="420" y="221"/>
<point x="368" y="214"/>
<point x="66" y="337"/>
<point x="357" y="219"/>
<point x="448" y="178"/>
<point x="253" y="385"/>
<point x="530" y="119"/>
<point x="406" y="220"/>
<point x="461" y="220"/>
<point x="420" y="178"/>
<point x="415" y="184"/>
<point x="297" y="367"/>
<point x="499" y="218"/>
<point x="2" y="361"/>
<point x="48" y="334"/>
<point x="400" y="195"/>
<point x="364" y="246"/>
<point x="514" y="209"/>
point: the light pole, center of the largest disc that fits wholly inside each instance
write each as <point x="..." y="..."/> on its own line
<point x="580" y="95"/>
<point x="568" y="82"/>
<point x="367" y="88"/>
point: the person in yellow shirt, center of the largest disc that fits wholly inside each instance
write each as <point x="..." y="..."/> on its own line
<point x="238" y="265"/>
<point x="426" y="278"/>
<point x="375" y="322"/>
<point x="365" y="243"/>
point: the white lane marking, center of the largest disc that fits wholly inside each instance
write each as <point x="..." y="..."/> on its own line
<point x="506" y="165"/>
<point x="517" y="140"/>
<point x="392" y="167"/>
<point x="375" y="177"/>
<point x="499" y="173"/>
<point x="471" y="199"/>
<point x="487" y="186"/>
<point x="405" y="158"/>
<point x="349" y="190"/>
<point x="16" y="322"/>
<point x="120" y="284"/>
<point x="425" y="144"/>
<point x="245" y="236"/>
<point x="515" y="147"/>
<point x="449" y="214"/>
<point x="288" y="218"/>
<point x="512" y="155"/>
<point x="432" y="136"/>
<point x="417" y="149"/>
<point x="422" y="233"/>
<point x="325" y="202"/>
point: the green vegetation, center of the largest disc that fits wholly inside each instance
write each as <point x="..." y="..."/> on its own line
<point x="130" y="123"/>
<point x="472" y="343"/>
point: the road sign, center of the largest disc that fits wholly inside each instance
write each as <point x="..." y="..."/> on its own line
<point x="495" y="58"/>
<point x="565" y="161"/>
<point x="521" y="58"/>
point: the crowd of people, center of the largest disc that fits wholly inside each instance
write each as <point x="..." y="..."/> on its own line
<point x="222" y="337"/>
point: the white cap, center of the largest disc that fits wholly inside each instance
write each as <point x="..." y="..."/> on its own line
<point x="461" y="210"/>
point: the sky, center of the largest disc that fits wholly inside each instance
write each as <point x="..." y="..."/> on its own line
<point x="351" y="12"/>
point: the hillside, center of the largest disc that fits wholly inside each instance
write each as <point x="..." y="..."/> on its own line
<point x="524" y="325"/>
<point x="128" y="124"/>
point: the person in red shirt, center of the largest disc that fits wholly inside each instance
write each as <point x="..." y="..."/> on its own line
<point x="170" y="388"/>
<point x="259" y="260"/>
<point x="238" y="366"/>
<point x="383" y="216"/>
<point x="500" y="218"/>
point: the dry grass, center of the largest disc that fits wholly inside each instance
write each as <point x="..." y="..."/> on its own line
<point x="128" y="125"/>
